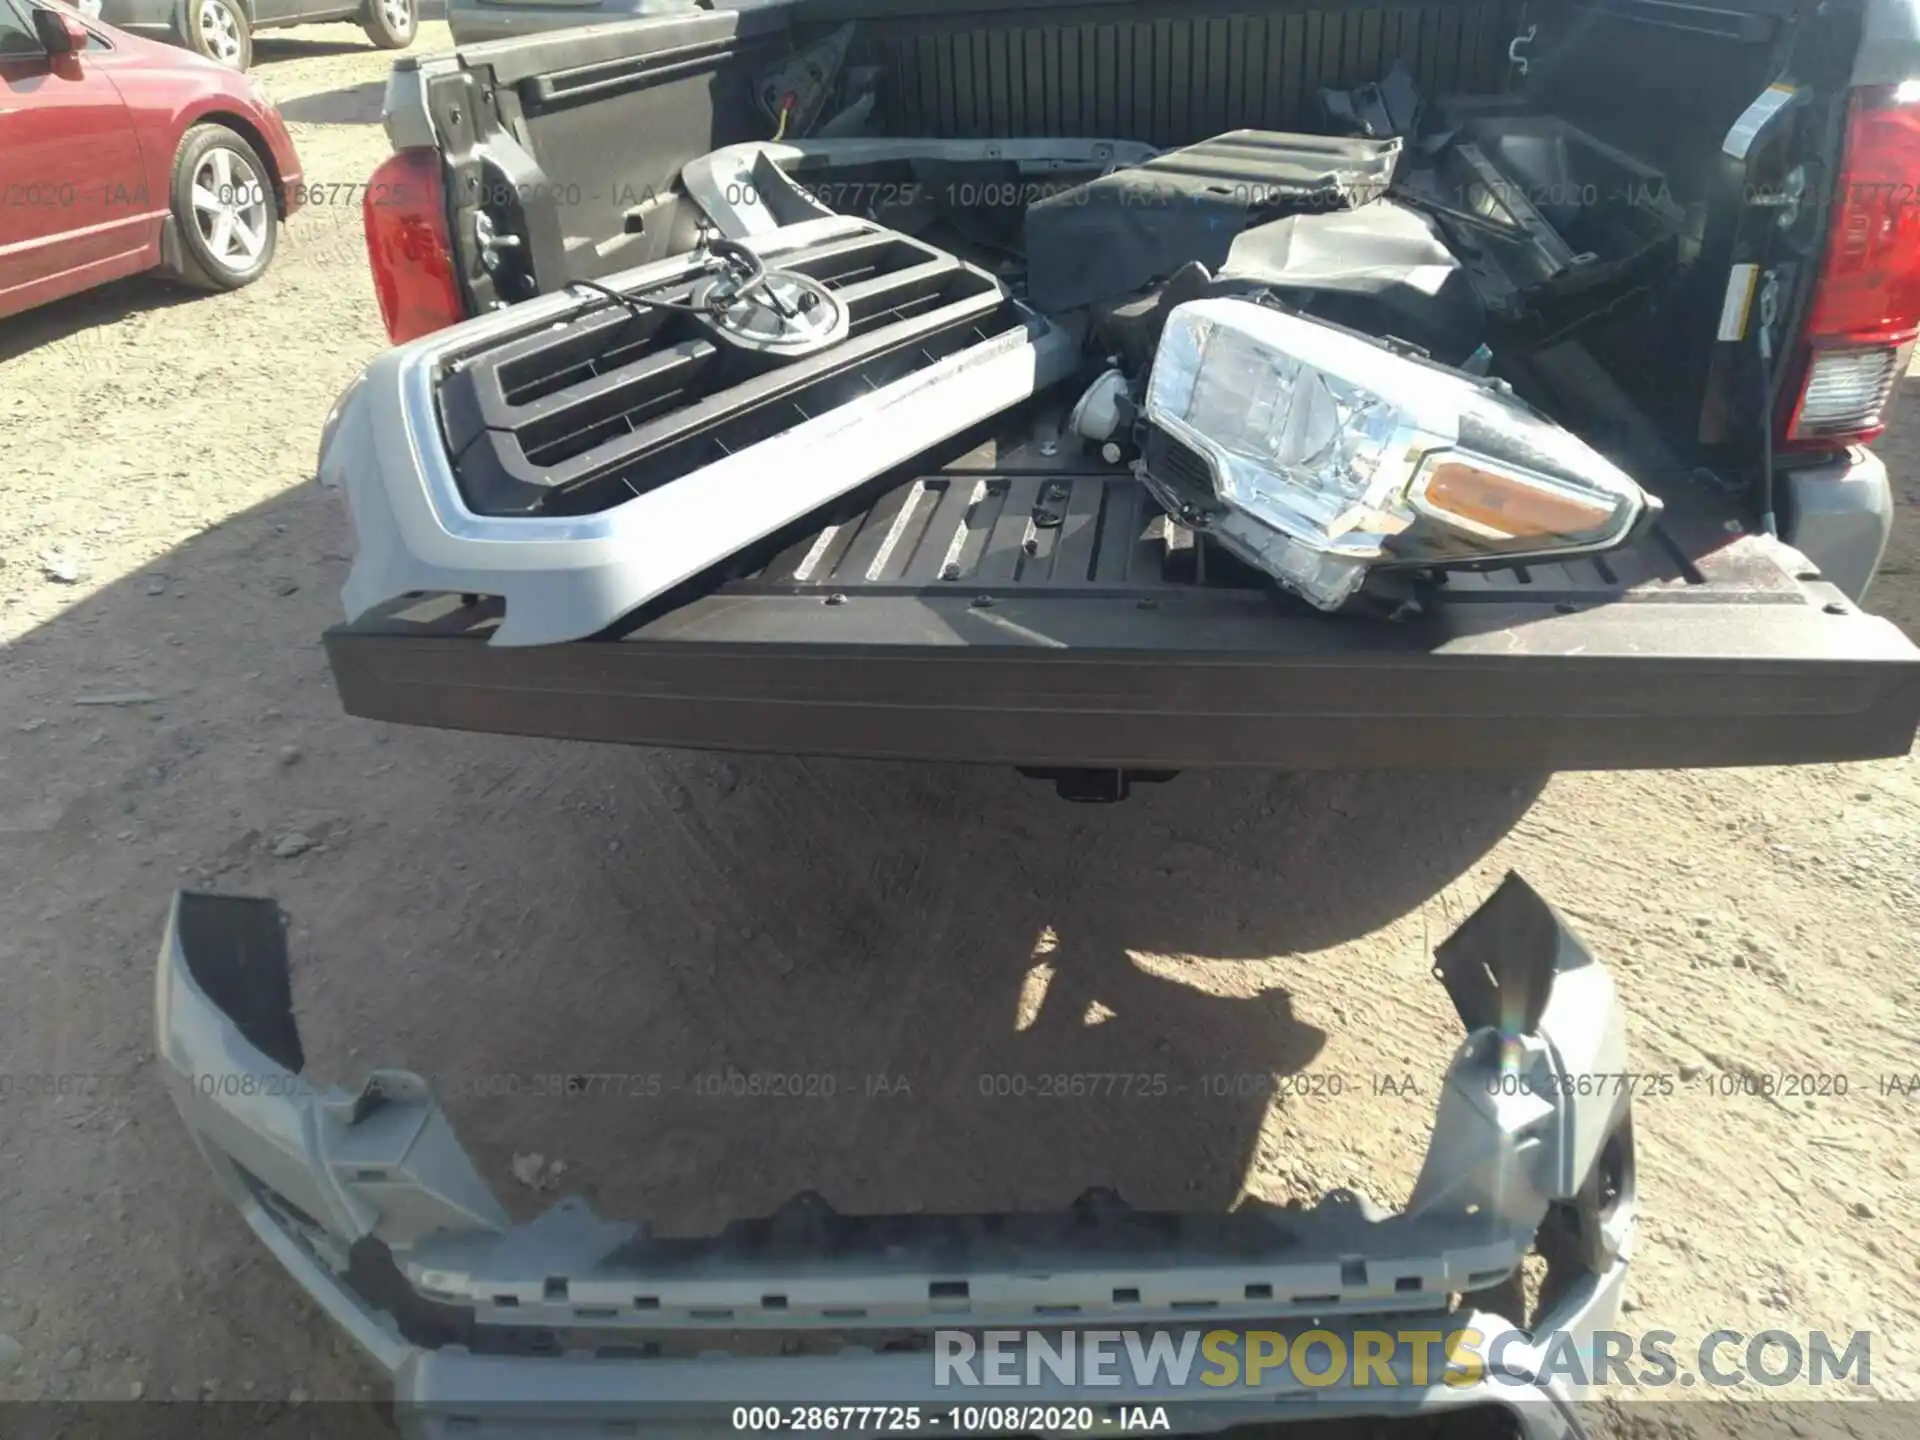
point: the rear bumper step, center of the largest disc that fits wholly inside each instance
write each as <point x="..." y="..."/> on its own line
<point x="1016" y="602"/>
<point x="1207" y="679"/>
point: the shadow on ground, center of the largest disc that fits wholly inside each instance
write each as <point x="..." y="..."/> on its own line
<point x="79" y="320"/>
<point x="272" y="45"/>
<point x="350" y="105"/>
<point x="916" y="960"/>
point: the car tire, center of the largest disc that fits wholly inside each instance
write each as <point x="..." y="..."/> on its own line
<point x="223" y="208"/>
<point x="217" y="29"/>
<point x="390" y="23"/>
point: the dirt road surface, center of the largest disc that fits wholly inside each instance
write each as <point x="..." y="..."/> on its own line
<point x="477" y="907"/>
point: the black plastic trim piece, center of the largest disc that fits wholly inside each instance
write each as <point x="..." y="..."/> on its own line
<point x="235" y="948"/>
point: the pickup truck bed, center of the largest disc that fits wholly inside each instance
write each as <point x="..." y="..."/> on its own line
<point x="940" y="620"/>
<point x="1011" y="598"/>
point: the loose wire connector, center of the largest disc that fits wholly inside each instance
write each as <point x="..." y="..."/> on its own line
<point x="1769" y="313"/>
<point x="787" y="102"/>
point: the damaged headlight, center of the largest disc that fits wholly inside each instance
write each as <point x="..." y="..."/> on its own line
<point x="1318" y="454"/>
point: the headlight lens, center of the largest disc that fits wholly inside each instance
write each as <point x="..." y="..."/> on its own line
<point x="1330" y="454"/>
<point x="1288" y="441"/>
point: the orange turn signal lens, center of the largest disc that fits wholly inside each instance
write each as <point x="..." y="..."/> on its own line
<point x="1507" y="506"/>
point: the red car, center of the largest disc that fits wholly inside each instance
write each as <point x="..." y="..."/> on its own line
<point x="120" y="155"/>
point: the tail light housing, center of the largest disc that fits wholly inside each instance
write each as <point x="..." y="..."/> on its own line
<point x="408" y="246"/>
<point x="1866" y="302"/>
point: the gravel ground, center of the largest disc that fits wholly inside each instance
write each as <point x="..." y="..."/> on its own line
<point x="473" y="906"/>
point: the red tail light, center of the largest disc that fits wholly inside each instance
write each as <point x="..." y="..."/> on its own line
<point x="405" y="211"/>
<point x="1866" y="302"/>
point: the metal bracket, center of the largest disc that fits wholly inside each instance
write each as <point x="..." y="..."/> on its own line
<point x="491" y="241"/>
<point x="1787" y="200"/>
<point x="1769" y="312"/>
<point x="1498" y="967"/>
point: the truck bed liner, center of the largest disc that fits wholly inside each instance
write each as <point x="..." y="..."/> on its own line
<point x="1013" y="607"/>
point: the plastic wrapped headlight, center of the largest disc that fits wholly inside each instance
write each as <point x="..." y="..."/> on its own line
<point x="1328" y="454"/>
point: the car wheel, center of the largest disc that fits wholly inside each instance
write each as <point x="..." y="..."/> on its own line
<point x="223" y="205"/>
<point x="217" y="29"/>
<point x="389" y="23"/>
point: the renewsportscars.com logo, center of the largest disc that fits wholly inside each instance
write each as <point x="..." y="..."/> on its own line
<point x="1160" y="1361"/>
